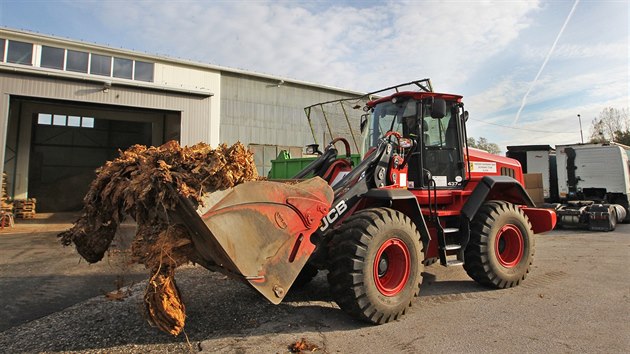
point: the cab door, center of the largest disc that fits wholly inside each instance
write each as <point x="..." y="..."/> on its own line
<point x="441" y="148"/>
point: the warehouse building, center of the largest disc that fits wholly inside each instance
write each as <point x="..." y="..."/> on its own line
<point x="67" y="106"/>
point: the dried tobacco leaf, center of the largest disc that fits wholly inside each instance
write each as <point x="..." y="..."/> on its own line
<point x="164" y="302"/>
<point x="302" y="346"/>
<point x="145" y="183"/>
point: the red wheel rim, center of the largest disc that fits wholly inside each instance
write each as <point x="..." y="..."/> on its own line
<point x="509" y="246"/>
<point x="392" y="267"/>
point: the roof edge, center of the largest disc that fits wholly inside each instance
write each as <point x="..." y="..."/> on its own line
<point x="155" y="57"/>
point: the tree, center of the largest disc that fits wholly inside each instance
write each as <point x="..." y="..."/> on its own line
<point x="622" y="137"/>
<point x="611" y="125"/>
<point x="483" y="144"/>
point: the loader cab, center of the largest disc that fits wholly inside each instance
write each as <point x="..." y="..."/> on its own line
<point x="435" y="123"/>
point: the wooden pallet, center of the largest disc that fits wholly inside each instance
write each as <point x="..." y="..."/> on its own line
<point x="5" y="205"/>
<point x="24" y="209"/>
<point x="4" y="195"/>
<point x="6" y="208"/>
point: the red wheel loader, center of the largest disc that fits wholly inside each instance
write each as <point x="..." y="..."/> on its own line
<point x="418" y="196"/>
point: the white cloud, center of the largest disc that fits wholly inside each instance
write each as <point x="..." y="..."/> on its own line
<point x="362" y="46"/>
<point x="552" y="126"/>
<point x="607" y="51"/>
<point x="557" y="90"/>
<point x="488" y="51"/>
<point x="276" y="38"/>
<point x="504" y="94"/>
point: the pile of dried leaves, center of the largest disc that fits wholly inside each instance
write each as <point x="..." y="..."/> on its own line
<point x="302" y="346"/>
<point x="145" y="183"/>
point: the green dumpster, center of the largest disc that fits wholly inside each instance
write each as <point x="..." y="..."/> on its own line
<point x="285" y="167"/>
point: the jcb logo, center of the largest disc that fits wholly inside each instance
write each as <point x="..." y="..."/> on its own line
<point x="333" y="215"/>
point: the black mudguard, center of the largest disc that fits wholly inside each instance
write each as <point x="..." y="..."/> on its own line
<point x="499" y="188"/>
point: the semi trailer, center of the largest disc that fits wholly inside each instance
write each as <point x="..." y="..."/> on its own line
<point x="587" y="184"/>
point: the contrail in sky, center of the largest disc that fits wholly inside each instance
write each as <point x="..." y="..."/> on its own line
<point x="542" y="67"/>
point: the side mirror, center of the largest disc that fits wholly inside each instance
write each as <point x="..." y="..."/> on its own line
<point x="438" y="108"/>
<point x="465" y="116"/>
<point x="364" y="119"/>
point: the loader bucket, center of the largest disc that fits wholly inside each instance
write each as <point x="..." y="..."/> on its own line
<point x="259" y="231"/>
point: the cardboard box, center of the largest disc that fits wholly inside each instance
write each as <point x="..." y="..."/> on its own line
<point x="537" y="195"/>
<point x="533" y="180"/>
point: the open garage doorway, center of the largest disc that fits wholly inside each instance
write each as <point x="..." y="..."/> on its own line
<point x="58" y="145"/>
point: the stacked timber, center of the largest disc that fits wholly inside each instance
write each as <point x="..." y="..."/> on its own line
<point x="24" y="208"/>
<point x="6" y="208"/>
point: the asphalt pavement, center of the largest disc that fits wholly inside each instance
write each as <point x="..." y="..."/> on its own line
<point x="576" y="299"/>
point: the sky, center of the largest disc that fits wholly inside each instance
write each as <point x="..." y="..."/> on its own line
<point x="526" y="69"/>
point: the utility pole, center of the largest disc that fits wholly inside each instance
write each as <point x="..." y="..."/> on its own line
<point x="581" y="135"/>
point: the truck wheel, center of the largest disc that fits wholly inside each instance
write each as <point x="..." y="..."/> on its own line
<point x="501" y="247"/>
<point x="612" y="222"/>
<point x="376" y="264"/>
<point x="602" y="225"/>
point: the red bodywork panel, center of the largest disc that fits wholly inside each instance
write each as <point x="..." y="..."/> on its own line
<point x="480" y="164"/>
<point x="542" y="220"/>
<point x="451" y="201"/>
<point x="417" y="96"/>
<point x="337" y="167"/>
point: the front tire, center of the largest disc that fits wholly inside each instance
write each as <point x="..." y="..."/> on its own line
<point x="501" y="247"/>
<point x="376" y="264"/>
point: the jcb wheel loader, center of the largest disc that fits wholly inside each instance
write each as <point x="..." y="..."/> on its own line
<point x="418" y="195"/>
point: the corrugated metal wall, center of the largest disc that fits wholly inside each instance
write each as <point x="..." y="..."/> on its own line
<point x="195" y="109"/>
<point x="256" y="110"/>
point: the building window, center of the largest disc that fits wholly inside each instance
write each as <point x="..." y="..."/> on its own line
<point x="65" y="121"/>
<point x="59" y="119"/>
<point x="2" y="49"/>
<point x="77" y="61"/>
<point x="52" y="57"/>
<point x="123" y="68"/>
<point x="20" y="53"/>
<point x="74" y="121"/>
<point x="44" y="118"/>
<point x="101" y="65"/>
<point x="87" y="122"/>
<point x="144" y="71"/>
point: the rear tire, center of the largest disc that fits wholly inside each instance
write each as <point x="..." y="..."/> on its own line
<point x="501" y="247"/>
<point x="612" y="223"/>
<point x="596" y="225"/>
<point x="376" y="264"/>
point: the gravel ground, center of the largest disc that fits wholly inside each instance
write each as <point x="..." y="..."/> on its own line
<point x="102" y="325"/>
<point x="576" y="299"/>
